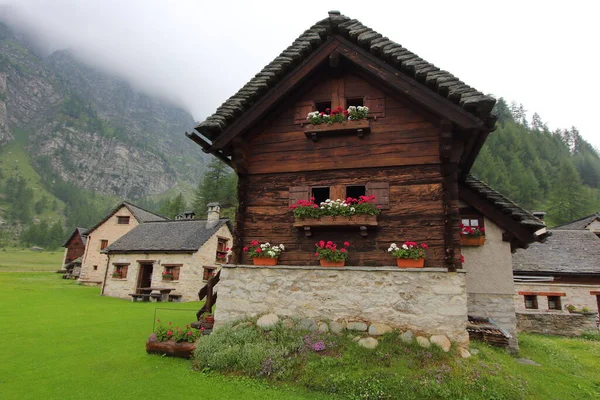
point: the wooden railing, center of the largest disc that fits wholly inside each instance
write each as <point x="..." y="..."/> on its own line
<point x="208" y="292"/>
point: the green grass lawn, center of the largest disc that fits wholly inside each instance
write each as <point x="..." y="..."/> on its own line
<point x="61" y="340"/>
<point x="12" y="259"/>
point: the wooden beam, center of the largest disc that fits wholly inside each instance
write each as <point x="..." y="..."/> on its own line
<point x="501" y="219"/>
<point x="206" y="148"/>
<point x="278" y="92"/>
<point x="408" y="86"/>
<point x="561" y="294"/>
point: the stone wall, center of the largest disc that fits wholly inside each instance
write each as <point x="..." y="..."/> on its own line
<point x="490" y="288"/>
<point x="556" y="324"/>
<point x="109" y="230"/>
<point x="190" y="274"/>
<point x="575" y="294"/>
<point x="429" y="300"/>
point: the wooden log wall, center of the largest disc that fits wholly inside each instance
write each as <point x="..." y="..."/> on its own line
<point x="402" y="149"/>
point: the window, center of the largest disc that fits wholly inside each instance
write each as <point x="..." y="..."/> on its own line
<point x="470" y="218"/>
<point x="356" y="191"/>
<point x="356" y="102"/>
<point x="120" y="271"/>
<point x="103" y="244"/>
<point x="531" y="302"/>
<point x="171" y="272"/>
<point x="208" y="273"/>
<point x="95" y="268"/>
<point x="222" y="249"/>
<point x="320" y="194"/>
<point x="554" y="303"/>
<point x="322" y="106"/>
<point x="123" y="220"/>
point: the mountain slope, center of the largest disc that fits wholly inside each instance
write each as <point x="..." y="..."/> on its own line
<point x="89" y="129"/>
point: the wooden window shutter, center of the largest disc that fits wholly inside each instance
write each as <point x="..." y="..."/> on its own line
<point x="376" y="105"/>
<point x="302" y="109"/>
<point x="381" y="191"/>
<point x="176" y="273"/>
<point x="299" y="193"/>
<point x="124" y="271"/>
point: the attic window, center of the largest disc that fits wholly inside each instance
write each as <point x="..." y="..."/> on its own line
<point x="356" y="191"/>
<point x="322" y="106"/>
<point x="222" y="249"/>
<point x="355" y="101"/>
<point x="320" y="194"/>
<point x="123" y="220"/>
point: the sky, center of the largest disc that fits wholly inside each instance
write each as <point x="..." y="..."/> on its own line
<point x="542" y="54"/>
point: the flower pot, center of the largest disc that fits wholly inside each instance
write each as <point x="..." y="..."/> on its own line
<point x="264" y="261"/>
<point x="209" y="319"/>
<point x="326" y="263"/>
<point x="410" y="262"/>
<point x="472" y="240"/>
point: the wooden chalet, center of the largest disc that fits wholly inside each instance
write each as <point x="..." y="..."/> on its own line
<point x="75" y="245"/>
<point x="413" y="153"/>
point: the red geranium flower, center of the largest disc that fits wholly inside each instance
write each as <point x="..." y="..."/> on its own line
<point x="346" y="244"/>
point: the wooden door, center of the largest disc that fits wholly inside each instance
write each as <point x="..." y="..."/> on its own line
<point x="145" y="276"/>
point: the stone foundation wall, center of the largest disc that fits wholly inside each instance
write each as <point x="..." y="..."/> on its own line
<point x="556" y="324"/>
<point x="429" y="300"/>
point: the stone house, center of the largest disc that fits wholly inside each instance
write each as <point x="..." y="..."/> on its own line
<point x="564" y="271"/>
<point x="122" y="219"/>
<point x="413" y="153"/>
<point x="177" y="254"/>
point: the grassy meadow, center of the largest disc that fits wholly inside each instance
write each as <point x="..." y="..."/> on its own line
<point x="64" y="341"/>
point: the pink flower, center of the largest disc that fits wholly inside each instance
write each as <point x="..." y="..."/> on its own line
<point x="316" y="254"/>
<point x="343" y="250"/>
<point x="254" y="243"/>
<point x="346" y="244"/>
<point x="259" y="250"/>
<point x="190" y="333"/>
<point x="245" y="248"/>
<point x="423" y="245"/>
<point x="170" y="333"/>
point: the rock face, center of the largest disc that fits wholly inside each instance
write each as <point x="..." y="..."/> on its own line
<point x="336" y="327"/>
<point x="267" y="321"/>
<point x="441" y="341"/>
<point x="464" y="353"/>
<point x="89" y="128"/>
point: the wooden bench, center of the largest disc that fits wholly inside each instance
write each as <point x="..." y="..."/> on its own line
<point x="135" y="297"/>
<point x="175" y="297"/>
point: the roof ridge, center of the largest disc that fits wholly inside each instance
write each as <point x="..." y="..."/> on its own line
<point x="125" y="202"/>
<point x="596" y="214"/>
<point x="437" y="80"/>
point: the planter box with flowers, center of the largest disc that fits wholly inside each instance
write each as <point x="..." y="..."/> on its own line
<point x="263" y="253"/>
<point x="354" y="119"/>
<point x="409" y="255"/>
<point x="173" y="341"/>
<point x="117" y="275"/>
<point x="329" y="255"/>
<point x="361" y="212"/>
<point x="472" y="236"/>
<point x="167" y="277"/>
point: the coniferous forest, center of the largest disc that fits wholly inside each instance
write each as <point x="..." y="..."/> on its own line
<point x="553" y="171"/>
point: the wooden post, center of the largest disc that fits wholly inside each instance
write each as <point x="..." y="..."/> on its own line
<point x="449" y="155"/>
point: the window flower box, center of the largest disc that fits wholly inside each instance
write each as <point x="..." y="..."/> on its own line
<point x="472" y="240"/>
<point x="360" y="221"/>
<point x="360" y="127"/>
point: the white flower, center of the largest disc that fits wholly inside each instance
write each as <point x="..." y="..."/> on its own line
<point x="352" y="209"/>
<point x="351" y="108"/>
<point x="268" y="244"/>
<point x="282" y="247"/>
<point x="404" y="246"/>
<point x="262" y="246"/>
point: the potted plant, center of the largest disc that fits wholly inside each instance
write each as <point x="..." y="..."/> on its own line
<point x="117" y="275"/>
<point x="173" y="341"/>
<point x="208" y="318"/>
<point x="264" y="253"/>
<point x="409" y="255"/>
<point x="329" y="255"/>
<point x="167" y="276"/>
<point x="472" y="236"/>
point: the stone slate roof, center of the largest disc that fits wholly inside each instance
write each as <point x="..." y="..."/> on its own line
<point x="581" y="223"/>
<point x="565" y="252"/>
<point x="166" y="236"/>
<point x="525" y="218"/>
<point x="138" y="213"/>
<point x="439" y="81"/>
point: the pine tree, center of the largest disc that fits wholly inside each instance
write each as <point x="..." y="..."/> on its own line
<point x="566" y="198"/>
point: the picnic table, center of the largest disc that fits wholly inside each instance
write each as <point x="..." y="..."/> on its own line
<point x="155" y="293"/>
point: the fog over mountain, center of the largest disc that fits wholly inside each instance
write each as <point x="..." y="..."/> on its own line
<point x="198" y="53"/>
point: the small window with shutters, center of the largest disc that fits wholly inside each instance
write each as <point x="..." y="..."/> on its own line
<point x="171" y="272"/>
<point x="381" y="191"/>
<point x="302" y="110"/>
<point x="120" y="271"/>
<point x="376" y="105"/>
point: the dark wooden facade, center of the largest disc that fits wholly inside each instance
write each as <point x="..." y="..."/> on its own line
<point x="75" y="246"/>
<point x="402" y="150"/>
<point x="425" y="130"/>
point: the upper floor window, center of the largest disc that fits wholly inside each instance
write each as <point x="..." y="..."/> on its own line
<point x="222" y="249"/>
<point x="122" y="220"/>
<point x="323" y="106"/>
<point x="103" y="244"/>
<point x="356" y="102"/>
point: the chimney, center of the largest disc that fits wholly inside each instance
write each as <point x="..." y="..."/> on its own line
<point x="214" y="209"/>
<point x="539" y="214"/>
